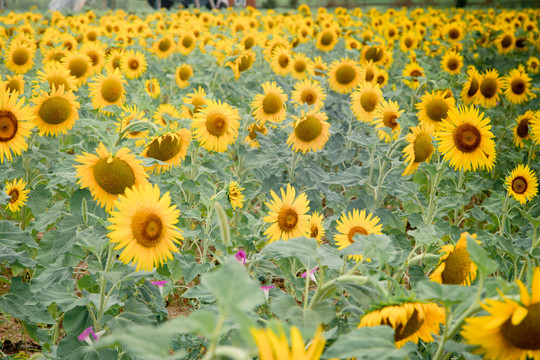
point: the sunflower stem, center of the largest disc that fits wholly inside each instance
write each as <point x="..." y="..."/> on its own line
<point x="502" y="222"/>
<point x="458" y="187"/>
<point x="294" y="162"/>
<point x="433" y="183"/>
<point x="102" y="299"/>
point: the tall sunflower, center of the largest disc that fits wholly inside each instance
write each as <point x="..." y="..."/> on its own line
<point x="414" y="71"/>
<point x="466" y="140"/>
<point x="133" y="64"/>
<point x="216" y="126"/>
<point x="385" y="117"/>
<point x="317" y="67"/>
<point x="19" y="57"/>
<point x="18" y="194"/>
<point x="281" y="61"/>
<point x="55" y="111"/>
<point x="182" y="75"/>
<point x="253" y="130"/>
<point x="163" y="111"/>
<point x="517" y="86"/>
<point x="299" y="68"/>
<point x="108" y="90"/>
<point x="197" y="99"/>
<point x="521" y="129"/>
<point x="308" y="92"/>
<point x="311" y="131"/>
<point x="234" y="194"/>
<point x="270" y="106"/>
<point x="287" y="216"/>
<point x="316" y="227"/>
<point x="434" y="108"/>
<point x="143" y="225"/>
<point x="411" y="320"/>
<point x="455" y="266"/>
<point x="471" y="89"/>
<point x="344" y="75"/>
<point x="152" y="88"/>
<point x="452" y="62"/>
<point x="511" y="329"/>
<point x="16" y="122"/>
<point x="13" y="83"/>
<point x="275" y="346"/>
<point x="170" y="148"/>
<point x="490" y="88"/>
<point x="327" y="39"/>
<point x="164" y="47"/>
<point x="420" y="147"/>
<point x="349" y="225"/>
<point x="107" y="176"/>
<point x="79" y="65"/>
<point x="522" y="183"/>
<point x="364" y="101"/>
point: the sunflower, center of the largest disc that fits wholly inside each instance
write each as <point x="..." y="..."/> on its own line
<point x="152" y="88"/>
<point x="287" y="216"/>
<point x="144" y="227"/>
<point x="466" y="141"/>
<point x="55" y="75"/>
<point x="18" y="194"/>
<point x="365" y="100"/>
<point x="182" y="75"/>
<point x="107" y="176"/>
<point x="434" y="108"/>
<point x="512" y="328"/>
<point x="344" y="75"/>
<point x="270" y="106"/>
<point x="368" y="71"/>
<point x="308" y="92"/>
<point x="299" y="66"/>
<point x="242" y="63"/>
<point x="522" y="183"/>
<point x="490" y="87"/>
<point x="133" y="64"/>
<point x="412" y="321"/>
<point x="533" y="65"/>
<point x="164" y="47"/>
<point x="15" y="125"/>
<point x="409" y="41"/>
<point x="79" y="65"/>
<point x="108" y="90"/>
<point x="420" y="147"/>
<point x="53" y="54"/>
<point x="521" y="130"/>
<point x="311" y="131"/>
<point x="454" y="31"/>
<point x="327" y="39"/>
<point x="275" y="346"/>
<point x="187" y="43"/>
<point x="19" y="57"/>
<point x="316" y="227"/>
<point x="381" y="77"/>
<point x="216" y="126"/>
<point x="96" y="54"/>
<point x="356" y="223"/>
<point x="385" y="116"/>
<point x="470" y="91"/>
<point x="414" y="71"/>
<point x="376" y="53"/>
<point x="197" y="99"/>
<point x="517" y="86"/>
<point x="170" y="148"/>
<point x="281" y="62"/>
<point x="234" y="194"/>
<point x="131" y="114"/>
<point x="13" y="83"/>
<point x="253" y="131"/>
<point x="317" y="67"/>
<point x="505" y="42"/>
<point x="114" y="59"/>
<point x="55" y="111"/>
<point x="452" y="62"/>
<point x="455" y="266"/>
<point x="168" y="110"/>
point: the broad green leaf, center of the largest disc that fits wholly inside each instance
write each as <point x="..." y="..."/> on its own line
<point x="479" y="256"/>
<point x="71" y="348"/>
<point x="447" y="294"/>
<point x="134" y="313"/>
<point x="13" y="237"/>
<point x="14" y="303"/>
<point x="303" y="249"/>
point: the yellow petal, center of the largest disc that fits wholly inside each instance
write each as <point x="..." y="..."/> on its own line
<point x="519" y="315"/>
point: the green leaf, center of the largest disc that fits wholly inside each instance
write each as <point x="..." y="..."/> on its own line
<point x="44" y="220"/>
<point x="76" y="320"/>
<point x="480" y="257"/>
<point x="372" y="246"/>
<point x="134" y="313"/>
<point x="13" y="237"/>
<point x="14" y="303"/>
<point x="368" y="343"/>
<point x="302" y="248"/>
<point x="12" y="257"/>
<point x="190" y="267"/>
<point x="446" y="294"/>
<point x="71" y="348"/>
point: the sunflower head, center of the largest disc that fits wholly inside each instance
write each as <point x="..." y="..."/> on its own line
<point x="170" y="148"/>
<point x="420" y="147"/>
<point x="455" y="266"/>
<point x="355" y="223"/>
<point x="344" y="75"/>
<point x="270" y="106"/>
<point x="522" y="183"/>
<point x="311" y="131"/>
<point x="234" y="194"/>
<point x="18" y="194"/>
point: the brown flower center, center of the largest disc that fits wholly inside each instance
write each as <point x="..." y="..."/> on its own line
<point x="187" y="41"/>
<point x="166" y="149"/>
<point x="55" y="111"/>
<point x="422" y="147"/>
<point x="216" y="124"/>
<point x="164" y="45"/>
<point x="345" y="74"/>
<point x="506" y="41"/>
<point x="146" y="228"/>
<point x="523" y="128"/>
<point x="8" y="125"/>
<point x="414" y="323"/>
<point x="114" y="175"/>
<point x="14" y="85"/>
<point x="308" y="129"/>
<point x="356" y="230"/>
<point x="308" y="96"/>
<point x="437" y="109"/>
<point x="314" y="231"/>
<point x="116" y="62"/>
<point x="452" y="64"/>
<point x="287" y="219"/>
<point x="389" y="120"/>
<point x="467" y="138"/>
<point x="473" y="88"/>
<point x="21" y="56"/>
<point x="524" y="335"/>
<point x="457" y="267"/>
<point x="518" y="86"/>
<point x="374" y="53"/>
<point x="489" y="88"/>
<point x="272" y="104"/>
<point x="111" y="90"/>
<point x="198" y="104"/>
<point x="409" y="42"/>
<point x="370" y="74"/>
<point x="369" y="101"/>
<point x="185" y="73"/>
<point x="78" y="67"/>
<point x="519" y="185"/>
<point x="56" y="81"/>
<point x="454" y="33"/>
<point x="283" y="60"/>
<point x="300" y="66"/>
<point x="327" y="38"/>
<point x="133" y="64"/>
<point x="245" y="63"/>
<point x="14" y="195"/>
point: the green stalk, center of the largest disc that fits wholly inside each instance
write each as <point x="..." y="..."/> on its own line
<point x="102" y="300"/>
<point x="502" y="222"/>
<point x="433" y="183"/>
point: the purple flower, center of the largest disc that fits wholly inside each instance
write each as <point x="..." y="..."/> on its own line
<point x="241" y="256"/>
<point x="85" y="335"/>
<point x="311" y="274"/>
<point x="160" y="285"/>
<point x="266" y="290"/>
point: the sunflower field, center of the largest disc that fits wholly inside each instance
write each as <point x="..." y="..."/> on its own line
<point x="275" y="185"/>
